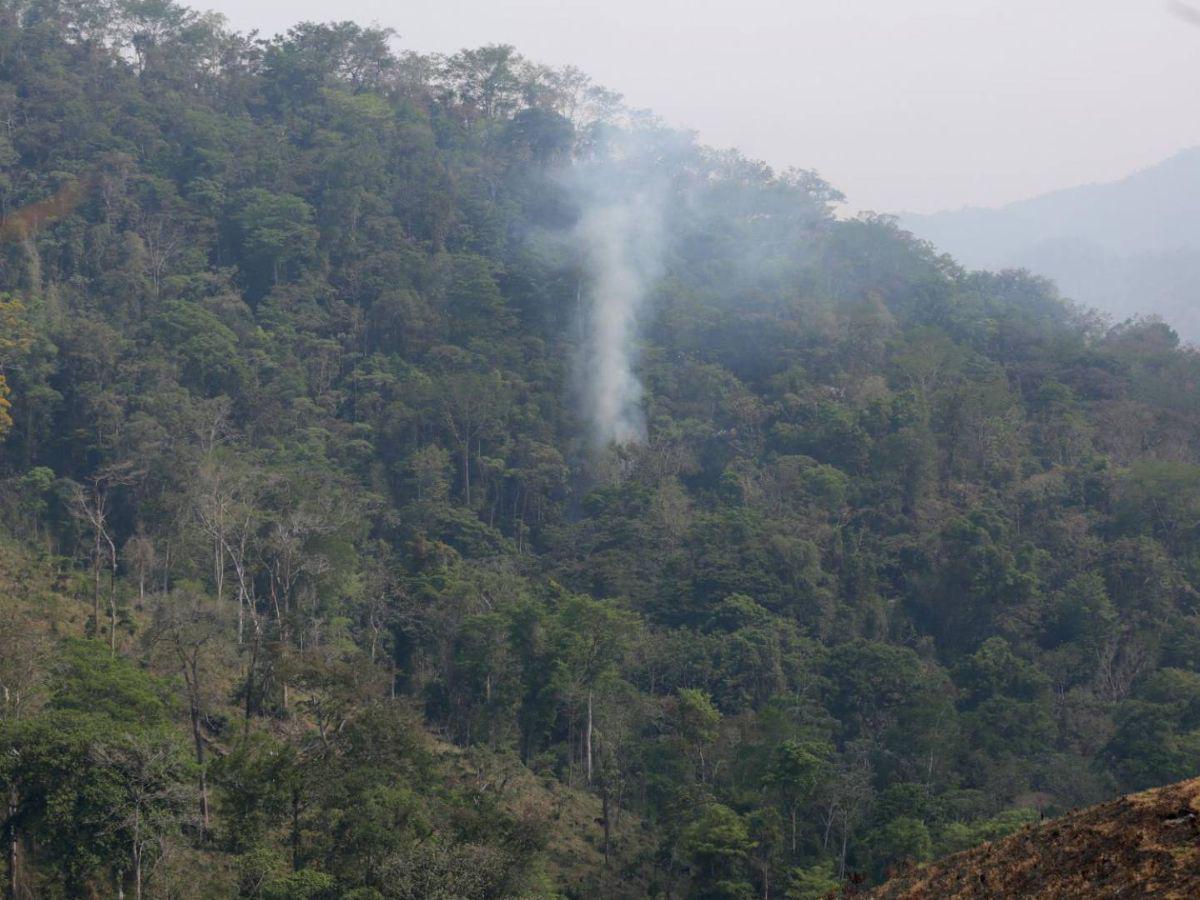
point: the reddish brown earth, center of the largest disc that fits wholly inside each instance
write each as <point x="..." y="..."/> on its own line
<point x="1142" y="845"/>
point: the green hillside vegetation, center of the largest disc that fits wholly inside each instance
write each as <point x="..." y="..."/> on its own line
<point x="313" y="587"/>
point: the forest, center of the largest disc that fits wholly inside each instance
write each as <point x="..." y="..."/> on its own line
<point x="315" y="584"/>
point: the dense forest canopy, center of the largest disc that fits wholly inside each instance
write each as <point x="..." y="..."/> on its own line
<point x="314" y="585"/>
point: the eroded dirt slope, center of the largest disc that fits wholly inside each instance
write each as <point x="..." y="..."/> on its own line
<point x="1142" y="845"/>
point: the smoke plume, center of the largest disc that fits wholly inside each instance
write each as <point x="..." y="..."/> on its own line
<point x="620" y="241"/>
<point x="620" y="236"/>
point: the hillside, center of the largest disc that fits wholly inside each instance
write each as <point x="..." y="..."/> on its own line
<point x="1143" y="845"/>
<point x="559" y="828"/>
<point x="1127" y="247"/>
<point x="423" y="470"/>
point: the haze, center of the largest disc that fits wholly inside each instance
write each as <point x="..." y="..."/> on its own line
<point x="919" y="105"/>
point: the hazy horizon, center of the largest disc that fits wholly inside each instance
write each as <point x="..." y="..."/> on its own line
<point x="919" y="107"/>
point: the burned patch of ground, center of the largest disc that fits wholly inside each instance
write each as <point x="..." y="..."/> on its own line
<point x="1142" y="845"/>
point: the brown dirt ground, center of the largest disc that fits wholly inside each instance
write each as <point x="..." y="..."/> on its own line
<point x="1142" y="845"/>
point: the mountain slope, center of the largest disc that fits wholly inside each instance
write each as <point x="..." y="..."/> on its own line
<point x="1128" y="247"/>
<point x="1140" y="845"/>
<point x="348" y="599"/>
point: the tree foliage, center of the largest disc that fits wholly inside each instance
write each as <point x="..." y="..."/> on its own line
<point x="337" y="600"/>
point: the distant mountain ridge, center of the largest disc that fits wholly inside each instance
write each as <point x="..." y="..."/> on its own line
<point x="1128" y="247"/>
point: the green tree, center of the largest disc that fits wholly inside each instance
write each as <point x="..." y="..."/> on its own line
<point x="718" y="844"/>
<point x="696" y="722"/>
<point x="274" y="237"/>
<point x="795" y="771"/>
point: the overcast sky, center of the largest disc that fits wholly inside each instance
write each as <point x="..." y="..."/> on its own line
<point x="905" y="105"/>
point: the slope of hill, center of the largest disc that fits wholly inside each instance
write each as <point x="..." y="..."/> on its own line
<point x="559" y="830"/>
<point x="1129" y="247"/>
<point x="1141" y="845"/>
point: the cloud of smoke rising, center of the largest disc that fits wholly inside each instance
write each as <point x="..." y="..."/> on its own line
<point x="621" y="241"/>
<point x="628" y="183"/>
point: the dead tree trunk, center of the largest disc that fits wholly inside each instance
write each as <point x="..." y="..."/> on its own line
<point x="589" y="737"/>
<point x="14" y="844"/>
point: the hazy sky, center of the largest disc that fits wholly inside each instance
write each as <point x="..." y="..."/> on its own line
<point x="902" y="104"/>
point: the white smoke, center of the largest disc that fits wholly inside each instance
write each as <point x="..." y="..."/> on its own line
<point x="624" y="185"/>
<point x="621" y="242"/>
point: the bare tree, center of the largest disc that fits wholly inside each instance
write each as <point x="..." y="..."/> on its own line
<point x="140" y="555"/>
<point x="186" y="632"/>
<point x="22" y="674"/>
<point x="164" y="240"/>
<point x="92" y="504"/>
<point x="212" y="504"/>
<point x="293" y="560"/>
<point x="238" y="547"/>
<point x="152" y="802"/>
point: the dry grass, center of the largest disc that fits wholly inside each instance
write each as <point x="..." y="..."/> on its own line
<point x="1142" y="845"/>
